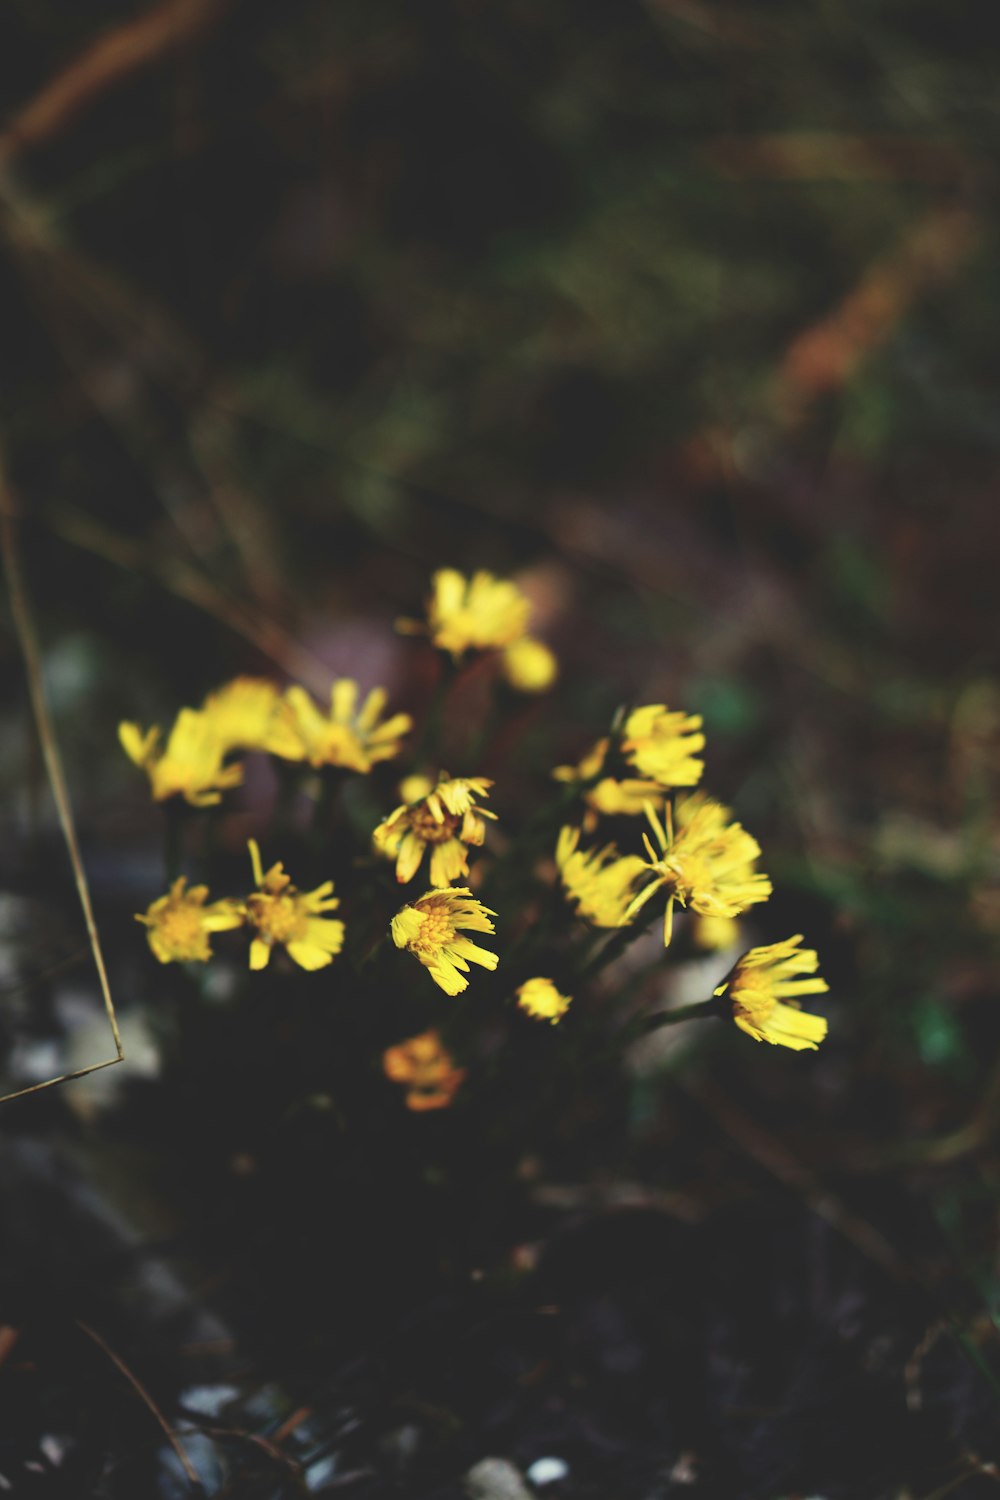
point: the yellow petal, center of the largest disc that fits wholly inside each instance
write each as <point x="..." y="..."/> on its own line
<point x="307" y="956"/>
<point x="260" y="953"/>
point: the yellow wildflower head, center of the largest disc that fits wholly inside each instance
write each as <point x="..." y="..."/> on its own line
<point x="715" y="934"/>
<point x="625" y="798"/>
<point x="291" y="918"/>
<point x="178" y="924"/>
<point x="540" y="998"/>
<point x="430" y="928"/>
<point x="481" y="613"/>
<point x="663" y="745"/>
<point x="589" y="766"/>
<point x="760" y="984"/>
<point x="445" y="820"/>
<point x="601" y="882"/>
<point x="427" y="1069"/>
<point x="657" y="743"/>
<point x="190" y="765"/>
<point x="347" y="736"/>
<point x="249" y="713"/>
<point x="529" y="665"/>
<point x="609" y="796"/>
<point x="707" y="864"/>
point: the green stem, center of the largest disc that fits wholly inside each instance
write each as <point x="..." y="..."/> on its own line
<point x="429" y="740"/>
<point x="332" y="779"/>
<point x="378" y="947"/>
<point x="699" y="1010"/>
<point x="616" y="945"/>
<point x="503" y="703"/>
<point x="173" y="838"/>
<point x="639" y="1026"/>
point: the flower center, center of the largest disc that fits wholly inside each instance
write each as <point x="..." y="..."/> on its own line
<point x="180" y="930"/>
<point x="427" y="828"/>
<point x="435" y="929"/>
<point x="280" y="919"/>
<point x="753" y="997"/>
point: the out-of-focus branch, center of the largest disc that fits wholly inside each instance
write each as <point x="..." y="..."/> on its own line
<point x="825" y="357"/>
<point x="115" y="56"/>
<point x="70" y="288"/>
<point x="833" y="156"/>
<point x="196" y="587"/>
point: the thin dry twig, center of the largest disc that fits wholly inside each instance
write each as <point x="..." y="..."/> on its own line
<point x="265" y="1445"/>
<point x="147" y="1401"/>
<point x="774" y="1156"/>
<point x="288" y="1426"/>
<point x="188" y="583"/>
<point x="28" y="639"/>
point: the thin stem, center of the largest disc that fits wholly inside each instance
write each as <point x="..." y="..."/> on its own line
<point x="616" y="945"/>
<point x="174" y="822"/>
<point x="698" y="1010"/>
<point x="429" y="740"/>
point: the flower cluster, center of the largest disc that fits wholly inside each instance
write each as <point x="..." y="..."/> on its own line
<point x="250" y="714"/>
<point x="688" y="851"/>
<point x="696" y="856"/>
<point x="179" y="924"/>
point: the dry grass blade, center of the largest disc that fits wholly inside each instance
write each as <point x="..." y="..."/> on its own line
<point x="28" y="639"/>
<point x="771" y="1154"/>
<point x="147" y="1401"/>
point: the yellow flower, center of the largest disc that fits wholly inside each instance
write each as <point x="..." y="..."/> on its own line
<point x="348" y="736"/>
<point x="429" y="928"/>
<point x="715" y="934"/>
<point x="191" y="764"/>
<point x="415" y="786"/>
<point x="707" y="864"/>
<point x="664" y="745"/>
<point x="600" y="882"/>
<point x="289" y="917"/>
<point x="625" y="798"/>
<point x="656" y="742"/>
<point x="529" y="665"/>
<point x="481" y="613"/>
<point x="759" y="985"/>
<point x="589" y="766"/>
<point x="250" y="713"/>
<point x="444" y="820"/>
<point x="427" y="1068"/>
<point x="541" y="999"/>
<point x="178" y="924"/>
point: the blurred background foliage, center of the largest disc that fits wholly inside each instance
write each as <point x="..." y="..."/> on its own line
<point x="685" y="314"/>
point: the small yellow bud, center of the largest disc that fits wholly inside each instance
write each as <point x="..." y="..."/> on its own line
<point x="529" y="665"/>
